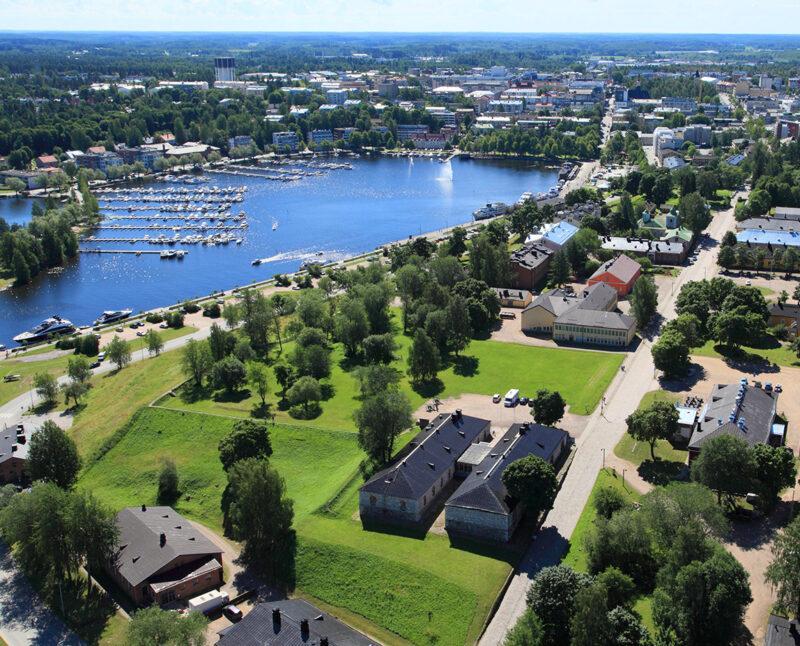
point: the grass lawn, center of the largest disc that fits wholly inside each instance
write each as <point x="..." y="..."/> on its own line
<point x="765" y="291"/>
<point x="128" y="474"/>
<point x="771" y="351"/>
<point x="486" y="367"/>
<point x="26" y="369"/>
<point x="166" y="335"/>
<point x="576" y="555"/>
<point x="103" y="411"/>
<point x="385" y="583"/>
<point x="669" y="459"/>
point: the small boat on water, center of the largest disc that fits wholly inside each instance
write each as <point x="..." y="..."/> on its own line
<point x="109" y="316"/>
<point x="274" y="225"/>
<point x="256" y="262"/>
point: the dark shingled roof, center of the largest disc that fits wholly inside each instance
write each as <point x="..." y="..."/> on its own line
<point x="140" y="554"/>
<point x="434" y="450"/>
<point x="598" y="297"/>
<point x="555" y="301"/>
<point x="257" y="628"/>
<point x="597" y="318"/>
<point x="750" y="419"/>
<point x="483" y="489"/>
<point x="532" y="255"/>
<point x="782" y="632"/>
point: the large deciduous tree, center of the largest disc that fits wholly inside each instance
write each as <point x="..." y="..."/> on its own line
<point x="53" y="456"/>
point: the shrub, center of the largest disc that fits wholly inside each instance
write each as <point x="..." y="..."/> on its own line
<point x="154" y="317"/>
<point x="212" y="310"/>
<point x="190" y="307"/>
<point x="608" y="501"/>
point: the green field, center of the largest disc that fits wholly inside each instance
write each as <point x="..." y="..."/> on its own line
<point x="26" y="369"/>
<point x="576" y="555"/>
<point x="166" y="335"/>
<point x="386" y="583"/>
<point x="486" y="367"/>
<point x="771" y="351"/>
<point x="128" y="474"/>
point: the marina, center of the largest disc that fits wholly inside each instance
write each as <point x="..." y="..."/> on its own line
<point x="340" y="214"/>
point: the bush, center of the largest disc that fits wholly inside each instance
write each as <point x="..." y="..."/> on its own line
<point x="67" y="343"/>
<point x="608" y="501"/>
<point x="190" y="307"/>
<point x="281" y="280"/>
<point x="212" y="310"/>
<point x="154" y="317"/>
<point x="168" y="484"/>
<point x="175" y="319"/>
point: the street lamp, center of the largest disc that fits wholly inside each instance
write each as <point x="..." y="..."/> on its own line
<point x="604" y="458"/>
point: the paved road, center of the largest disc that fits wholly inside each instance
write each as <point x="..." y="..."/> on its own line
<point x="24" y="619"/>
<point x="601" y="435"/>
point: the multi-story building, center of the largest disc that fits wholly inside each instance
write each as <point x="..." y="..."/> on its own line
<point x="316" y="137"/>
<point x="284" y="139"/>
<point x="410" y="131"/>
<point x="225" y="68"/>
<point x="337" y="96"/>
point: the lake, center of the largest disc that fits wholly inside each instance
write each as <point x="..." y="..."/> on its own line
<point x="339" y="213"/>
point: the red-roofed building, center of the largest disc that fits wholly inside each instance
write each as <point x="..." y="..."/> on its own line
<point x="46" y="161"/>
<point x="95" y="150"/>
<point x="621" y="273"/>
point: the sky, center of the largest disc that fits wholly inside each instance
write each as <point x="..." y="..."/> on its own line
<point x="532" y="16"/>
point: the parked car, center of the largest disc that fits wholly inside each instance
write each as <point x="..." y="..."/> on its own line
<point x="768" y="387"/>
<point x="101" y="356"/>
<point x="748" y="282"/>
<point x="119" y="329"/>
<point x="523" y="401"/>
<point x="139" y="333"/>
<point x="496" y="398"/>
<point x="163" y="326"/>
<point x="96" y="364"/>
<point x="778" y="388"/>
<point x="232" y="612"/>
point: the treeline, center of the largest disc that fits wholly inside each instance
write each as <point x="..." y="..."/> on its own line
<point x="690" y="87"/>
<point x="565" y="140"/>
<point x="775" y="177"/>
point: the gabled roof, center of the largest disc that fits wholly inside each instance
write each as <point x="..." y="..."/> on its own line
<point x="140" y="552"/>
<point x="623" y="267"/>
<point x="784" y="309"/>
<point x="598" y="297"/>
<point x="483" y="489"/>
<point x="736" y="409"/>
<point x="433" y="451"/>
<point x="258" y="629"/>
<point x="597" y="318"/>
<point x="555" y="301"/>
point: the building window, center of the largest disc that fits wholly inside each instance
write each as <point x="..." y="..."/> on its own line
<point x="372" y="500"/>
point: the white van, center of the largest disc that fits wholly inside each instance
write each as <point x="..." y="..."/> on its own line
<point x="511" y="398"/>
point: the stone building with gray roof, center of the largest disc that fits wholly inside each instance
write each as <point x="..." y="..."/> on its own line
<point x="162" y="557"/>
<point x="740" y="410"/>
<point x="481" y="507"/>
<point x="405" y="491"/>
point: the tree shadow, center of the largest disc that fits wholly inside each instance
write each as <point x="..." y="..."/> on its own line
<point x="191" y="393"/>
<point x="695" y="374"/>
<point x="745" y="361"/>
<point x="465" y="366"/>
<point x="662" y="472"/>
<point x="328" y="391"/>
<point x="231" y="396"/>
<point x="42" y="408"/>
<point x="261" y="411"/>
<point x="429" y="388"/>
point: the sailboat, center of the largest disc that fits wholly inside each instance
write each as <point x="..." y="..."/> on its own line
<point x="274" y="224"/>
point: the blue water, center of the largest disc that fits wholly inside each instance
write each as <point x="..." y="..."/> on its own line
<point x="341" y="213"/>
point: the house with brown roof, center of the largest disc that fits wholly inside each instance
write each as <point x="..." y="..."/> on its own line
<point x="162" y="557"/>
<point x="786" y="314"/>
<point x="621" y="273"/>
<point x="46" y="161"/>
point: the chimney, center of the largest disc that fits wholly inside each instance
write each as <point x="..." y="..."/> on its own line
<point x="276" y="617"/>
<point x="459" y="414"/>
<point x="304" y="628"/>
<point x="323" y="641"/>
<point x="21" y="439"/>
<point x="144" y="507"/>
<point x="162" y="539"/>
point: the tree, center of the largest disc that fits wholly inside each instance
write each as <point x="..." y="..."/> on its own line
<point x="775" y="470"/>
<point x="627" y="629"/>
<point x="311" y="360"/>
<point x="689" y="327"/>
<point x="284" y="375"/>
<point x="156" y="626"/>
<point x="608" y="501"/>
<point x="232" y="314"/>
<point x="154" y="342"/>
<point x="551" y="597"/>
<point x="423" y="359"/>
<point x="258" y="377"/>
<point x="620" y="588"/>
<point x="657" y="422"/>
<point x="351" y="325"/>
<point x="196" y="360"/>
<point x="705" y="603"/>
<point x="559" y="268"/>
<point x="53" y="456"/>
<point x="376" y="378"/>
<point x="548" y="407"/>
<point x="79" y="369"/>
<point x="168" y="483"/>
<point x="247" y="439"/>
<point x="622" y="541"/>
<point x="644" y="300"/>
<point x="589" y="622"/>
<point x="737" y="327"/>
<point x="458" y="324"/>
<point x="379" y="348"/>
<point x="220" y="342"/>
<point x="46" y="386"/>
<point x="457" y="242"/>
<point x="312" y="310"/>
<point x="694" y="212"/>
<point x="526" y="632"/>
<point x="229" y="373"/>
<point x="118" y="352"/>
<point x="725" y="465"/>
<point x="671" y="354"/>
<point x="380" y="419"/>
<point x="258" y="317"/>
<point x="305" y="392"/>
<point x="74" y="390"/>
<point x="260" y="514"/>
<point x="782" y="571"/>
<point x="532" y="482"/>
